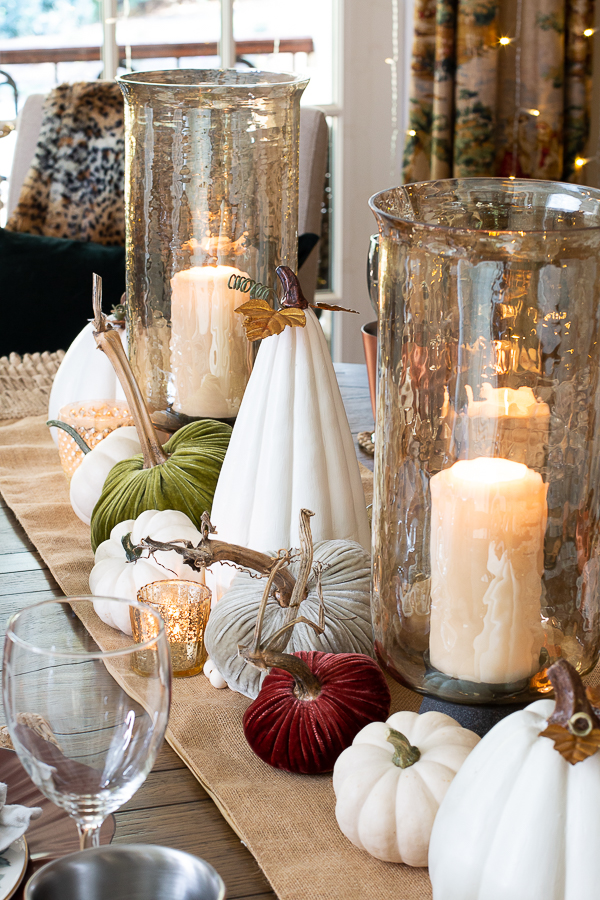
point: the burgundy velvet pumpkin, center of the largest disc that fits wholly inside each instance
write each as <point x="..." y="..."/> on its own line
<point x="302" y="722"/>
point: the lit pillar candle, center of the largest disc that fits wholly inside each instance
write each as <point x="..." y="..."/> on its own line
<point x="508" y="423"/>
<point x="488" y="519"/>
<point x="209" y="350"/>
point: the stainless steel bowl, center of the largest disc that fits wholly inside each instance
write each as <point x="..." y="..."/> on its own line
<point x="127" y="872"/>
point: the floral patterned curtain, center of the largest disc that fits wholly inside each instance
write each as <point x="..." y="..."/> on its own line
<point x="499" y="87"/>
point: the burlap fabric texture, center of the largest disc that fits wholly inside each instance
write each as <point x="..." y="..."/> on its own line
<point x="287" y="821"/>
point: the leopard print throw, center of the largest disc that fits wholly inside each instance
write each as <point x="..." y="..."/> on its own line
<point x="74" y="188"/>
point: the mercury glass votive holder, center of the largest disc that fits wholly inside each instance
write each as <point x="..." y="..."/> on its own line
<point x="93" y="420"/>
<point x="486" y="514"/>
<point x="184" y="607"/>
<point x="211" y="195"/>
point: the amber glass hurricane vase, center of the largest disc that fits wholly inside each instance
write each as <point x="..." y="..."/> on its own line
<point x="211" y="192"/>
<point x="487" y="471"/>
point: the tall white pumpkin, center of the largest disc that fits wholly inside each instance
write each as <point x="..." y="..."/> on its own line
<point x="84" y="374"/>
<point x="291" y="449"/>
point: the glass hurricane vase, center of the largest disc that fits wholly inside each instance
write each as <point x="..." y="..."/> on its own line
<point x="211" y="193"/>
<point x="487" y="471"/>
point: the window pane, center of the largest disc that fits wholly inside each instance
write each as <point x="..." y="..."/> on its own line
<point x="283" y="20"/>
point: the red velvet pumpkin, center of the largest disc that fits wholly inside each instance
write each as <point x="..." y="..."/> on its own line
<point x="301" y="722"/>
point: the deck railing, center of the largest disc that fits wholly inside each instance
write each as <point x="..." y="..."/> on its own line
<point x="153" y="51"/>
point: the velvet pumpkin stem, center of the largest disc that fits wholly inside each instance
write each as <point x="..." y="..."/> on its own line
<point x="283" y="561"/>
<point x="305" y="568"/>
<point x="405" y="755"/>
<point x="56" y="423"/>
<point x="573" y="710"/>
<point x="109" y="342"/>
<point x="307" y="685"/>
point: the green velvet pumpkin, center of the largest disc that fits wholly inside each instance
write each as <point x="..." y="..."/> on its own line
<point x="186" y="480"/>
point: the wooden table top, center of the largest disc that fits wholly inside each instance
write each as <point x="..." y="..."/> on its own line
<point x="171" y="808"/>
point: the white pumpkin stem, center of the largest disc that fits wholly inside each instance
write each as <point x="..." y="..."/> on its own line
<point x="405" y="755"/>
<point x="573" y="726"/>
<point x="56" y="423"/>
<point x="109" y="341"/>
<point x="571" y="700"/>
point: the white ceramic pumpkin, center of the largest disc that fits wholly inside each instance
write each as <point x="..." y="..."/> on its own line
<point x="89" y="477"/>
<point x="346" y="586"/>
<point x="114" y="576"/>
<point x="519" y="821"/>
<point x="291" y="448"/>
<point x="387" y="794"/>
<point x="84" y="374"/>
<point x="213" y="675"/>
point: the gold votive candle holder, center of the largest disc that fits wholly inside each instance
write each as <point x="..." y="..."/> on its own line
<point x="184" y="607"/>
<point x="93" y="420"/>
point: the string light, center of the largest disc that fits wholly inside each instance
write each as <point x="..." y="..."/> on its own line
<point x="518" y="91"/>
<point x="588" y="32"/>
<point x="580" y="162"/>
<point x="533" y="112"/>
<point x="393" y="64"/>
<point x="504" y="41"/>
<point x="411" y="132"/>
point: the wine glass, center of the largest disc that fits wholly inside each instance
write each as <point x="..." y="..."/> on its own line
<point x="86" y="726"/>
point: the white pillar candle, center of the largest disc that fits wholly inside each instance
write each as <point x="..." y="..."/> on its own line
<point x="508" y="423"/>
<point x="488" y="519"/>
<point x="209" y="350"/>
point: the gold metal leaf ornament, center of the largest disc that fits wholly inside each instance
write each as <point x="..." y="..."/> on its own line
<point x="262" y="321"/>
<point x="573" y="747"/>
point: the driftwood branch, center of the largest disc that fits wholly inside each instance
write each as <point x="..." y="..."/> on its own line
<point x="210" y="551"/>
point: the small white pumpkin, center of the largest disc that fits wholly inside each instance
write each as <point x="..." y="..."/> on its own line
<point x="291" y="448"/>
<point x="89" y="477"/>
<point x="390" y="782"/>
<point x="114" y="576"/>
<point x="213" y="675"/>
<point x="84" y="374"/>
<point x="519" y="820"/>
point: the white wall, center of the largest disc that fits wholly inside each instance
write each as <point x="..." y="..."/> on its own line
<point x="363" y="163"/>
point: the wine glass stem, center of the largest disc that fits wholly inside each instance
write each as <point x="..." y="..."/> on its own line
<point x="89" y="836"/>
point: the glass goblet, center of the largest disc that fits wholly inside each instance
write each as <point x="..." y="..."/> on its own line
<point x="85" y="726"/>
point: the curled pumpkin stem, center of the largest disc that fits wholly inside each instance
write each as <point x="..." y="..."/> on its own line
<point x="573" y="726"/>
<point x="405" y="755"/>
<point x="109" y="341"/>
<point x="307" y="685"/>
<point x="56" y="423"/>
<point x="292" y="292"/>
<point x="210" y="551"/>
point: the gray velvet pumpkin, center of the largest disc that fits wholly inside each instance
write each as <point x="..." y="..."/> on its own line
<point x="346" y="586"/>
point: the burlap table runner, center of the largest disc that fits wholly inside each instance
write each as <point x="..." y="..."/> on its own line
<point x="286" y="821"/>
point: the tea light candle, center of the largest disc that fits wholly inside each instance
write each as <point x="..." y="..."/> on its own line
<point x="209" y="350"/>
<point x="488" y="519"/>
<point x="184" y="607"/>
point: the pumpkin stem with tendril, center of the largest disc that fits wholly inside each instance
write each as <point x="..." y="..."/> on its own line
<point x="307" y="685"/>
<point x="573" y="726"/>
<point x="292" y="292"/>
<point x="405" y="755"/>
<point x="109" y="341"/>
